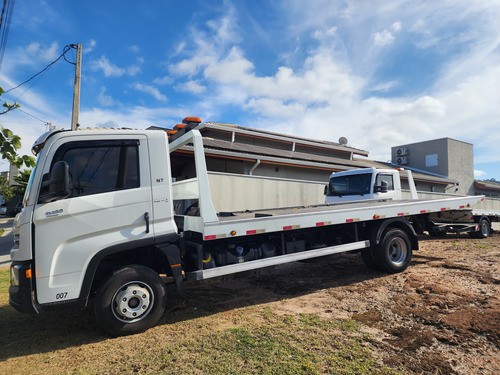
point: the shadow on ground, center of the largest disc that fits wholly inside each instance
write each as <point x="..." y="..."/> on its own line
<point x="50" y="331"/>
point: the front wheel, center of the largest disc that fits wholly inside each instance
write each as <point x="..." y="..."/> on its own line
<point x="393" y="254"/>
<point x="130" y="301"/>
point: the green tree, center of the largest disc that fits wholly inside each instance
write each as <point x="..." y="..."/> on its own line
<point x="5" y="189"/>
<point x="10" y="142"/>
<point x="22" y="181"/>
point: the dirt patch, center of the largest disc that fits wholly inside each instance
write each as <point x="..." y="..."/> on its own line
<point x="441" y="316"/>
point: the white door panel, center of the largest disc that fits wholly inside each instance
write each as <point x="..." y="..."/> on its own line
<point x="69" y="232"/>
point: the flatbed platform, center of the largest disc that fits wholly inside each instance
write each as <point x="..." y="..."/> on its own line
<point x="291" y="218"/>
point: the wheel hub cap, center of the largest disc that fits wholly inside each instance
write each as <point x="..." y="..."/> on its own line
<point x="132" y="302"/>
<point x="398" y="251"/>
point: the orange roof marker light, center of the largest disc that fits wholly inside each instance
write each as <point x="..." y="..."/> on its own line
<point x="188" y="124"/>
<point x="191" y="119"/>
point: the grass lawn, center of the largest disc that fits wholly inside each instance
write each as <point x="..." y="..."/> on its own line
<point x="245" y="340"/>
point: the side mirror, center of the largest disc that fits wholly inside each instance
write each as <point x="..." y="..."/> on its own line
<point x="57" y="186"/>
<point x="382" y="188"/>
<point x="326" y="190"/>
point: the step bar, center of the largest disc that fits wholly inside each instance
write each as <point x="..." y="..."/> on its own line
<point x="274" y="261"/>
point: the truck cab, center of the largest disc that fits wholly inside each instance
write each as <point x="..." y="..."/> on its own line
<point x="363" y="184"/>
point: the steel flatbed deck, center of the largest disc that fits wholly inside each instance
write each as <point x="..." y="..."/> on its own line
<point x="291" y="218"/>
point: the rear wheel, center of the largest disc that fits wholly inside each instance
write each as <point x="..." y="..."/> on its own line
<point x="130" y="301"/>
<point x="393" y="254"/>
<point x="484" y="228"/>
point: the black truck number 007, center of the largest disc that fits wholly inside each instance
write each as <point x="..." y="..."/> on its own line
<point x="61" y="295"/>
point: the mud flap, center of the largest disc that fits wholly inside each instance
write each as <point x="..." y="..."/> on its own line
<point x="173" y="255"/>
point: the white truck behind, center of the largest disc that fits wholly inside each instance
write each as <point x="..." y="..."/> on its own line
<point x="102" y="219"/>
<point x="367" y="184"/>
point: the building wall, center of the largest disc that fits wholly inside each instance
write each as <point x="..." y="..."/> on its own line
<point x="425" y="186"/>
<point x="461" y="165"/>
<point x="430" y="156"/>
<point x="295" y="173"/>
<point x="446" y="157"/>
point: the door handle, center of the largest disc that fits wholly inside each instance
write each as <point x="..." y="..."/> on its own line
<point x="146" y="218"/>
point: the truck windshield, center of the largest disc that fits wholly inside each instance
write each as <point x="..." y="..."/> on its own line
<point x="356" y="184"/>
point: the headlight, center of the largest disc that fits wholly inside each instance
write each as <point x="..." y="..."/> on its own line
<point x="14" y="274"/>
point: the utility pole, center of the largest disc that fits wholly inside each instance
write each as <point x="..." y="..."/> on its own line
<point x="76" y="90"/>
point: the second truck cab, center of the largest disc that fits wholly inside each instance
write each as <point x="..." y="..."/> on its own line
<point x="363" y="184"/>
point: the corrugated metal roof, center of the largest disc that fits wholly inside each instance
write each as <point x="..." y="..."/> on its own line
<point x="491" y="185"/>
<point x="257" y="151"/>
<point x="289" y="138"/>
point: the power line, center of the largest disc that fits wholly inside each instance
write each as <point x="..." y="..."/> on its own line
<point x="29" y="114"/>
<point x="65" y="50"/>
<point x="36" y="118"/>
<point x="40" y="73"/>
<point x="7" y="9"/>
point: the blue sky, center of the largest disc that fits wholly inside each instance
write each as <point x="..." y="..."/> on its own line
<point x="381" y="73"/>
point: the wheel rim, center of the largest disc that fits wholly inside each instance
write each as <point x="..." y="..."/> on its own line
<point x="398" y="251"/>
<point x="485" y="228"/>
<point x="132" y="302"/>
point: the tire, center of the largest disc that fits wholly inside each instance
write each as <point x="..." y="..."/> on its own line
<point x="393" y="253"/>
<point x="130" y="301"/>
<point x="366" y="255"/>
<point x="484" y="229"/>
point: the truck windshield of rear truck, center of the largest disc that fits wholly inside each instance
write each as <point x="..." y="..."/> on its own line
<point x="356" y="184"/>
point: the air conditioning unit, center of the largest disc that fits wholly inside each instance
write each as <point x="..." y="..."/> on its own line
<point x="401" y="151"/>
<point x="402" y="160"/>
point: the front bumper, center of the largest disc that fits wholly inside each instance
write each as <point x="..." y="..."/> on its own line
<point x="21" y="287"/>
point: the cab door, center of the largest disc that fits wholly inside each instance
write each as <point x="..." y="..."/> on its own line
<point x="388" y="180"/>
<point x="109" y="207"/>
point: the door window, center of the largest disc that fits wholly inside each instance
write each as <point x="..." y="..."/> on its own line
<point x="100" y="167"/>
<point x="387" y="178"/>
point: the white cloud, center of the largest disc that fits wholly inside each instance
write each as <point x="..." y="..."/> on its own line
<point x="321" y="34"/>
<point x="108" y="69"/>
<point x="479" y="174"/>
<point x="105" y="100"/>
<point x="135" y="48"/>
<point x="89" y="46"/>
<point x="151" y="90"/>
<point x="111" y="70"/>
<point x="396" y="26"/>
<point x="383" y="38"/>
<point x="387" y="37"/>
<point x="136" y="117"/>
<point x="165" y="80"/>
<point x="275" y="108"/>
<point x="192" y="87"/>
<point x="45" y="53"/>
<point x="133" y="70"/>
<point x="384" y="86"/>
<point x="329" y="96"/>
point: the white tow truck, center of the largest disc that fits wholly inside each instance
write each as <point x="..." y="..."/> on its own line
<point x="103" y="219"/>
<point x="369" y="184"/>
